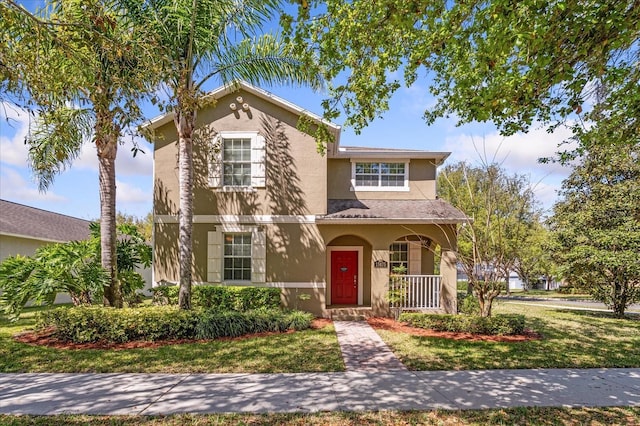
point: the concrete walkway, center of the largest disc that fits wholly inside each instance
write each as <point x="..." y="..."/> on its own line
<point x="374" y="380"/>
<point x="363" y="349"/>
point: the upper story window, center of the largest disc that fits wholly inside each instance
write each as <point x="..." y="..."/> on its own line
<point x="237" y="161"/>
<point x="380" y="176"/>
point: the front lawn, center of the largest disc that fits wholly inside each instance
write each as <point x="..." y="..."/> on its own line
<point x="303" y="351"/>
<point x="550" y="294"/>
<point x="511" y="416"/>
<point x="571" y="339"/>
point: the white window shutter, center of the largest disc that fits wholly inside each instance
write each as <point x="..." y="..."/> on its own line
<point x="214" y="256"/>
<point x="215" y="162"/>
<point x="258" y="160"/>
<point x="258" y="256"/>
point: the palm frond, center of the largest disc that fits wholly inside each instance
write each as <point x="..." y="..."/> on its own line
<point x="263" y="60"/>
<point x="56" y="140"/>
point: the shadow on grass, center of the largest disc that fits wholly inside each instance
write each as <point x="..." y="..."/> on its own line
<point x="303" y="351"/>
<point x="533" y="415"/>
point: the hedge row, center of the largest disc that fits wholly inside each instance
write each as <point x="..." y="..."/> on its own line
<point x="99" y="324"/>
<point x="501" y="324"/>
<point x="222" y="298"/>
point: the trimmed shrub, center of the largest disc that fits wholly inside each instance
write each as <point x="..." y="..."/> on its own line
<point x="468" y="304"/>
<point x="215" y="324"/>
<point x="165" y="295"/>
<point x="501" y="324"/>
<point x="96" y="323"/>
<point x="100" y="324"/>
<point x="222" y="298"/>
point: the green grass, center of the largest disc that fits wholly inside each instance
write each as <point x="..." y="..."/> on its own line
<point x="511" y="416"/>
<point x="269" y="354"/>
<point x="549" y="294"/>
<point x="571" y="339"/>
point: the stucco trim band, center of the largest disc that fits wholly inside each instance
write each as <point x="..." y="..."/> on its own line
<point x="290" y="284"/>
<point x="251" y="219"/>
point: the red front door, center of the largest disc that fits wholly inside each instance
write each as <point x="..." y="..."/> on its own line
<point x="344" y="277"/>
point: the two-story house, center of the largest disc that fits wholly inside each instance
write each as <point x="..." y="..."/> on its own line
<point x="270" y="211"/>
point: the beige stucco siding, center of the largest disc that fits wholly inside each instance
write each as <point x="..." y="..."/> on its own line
<point x="295" y="253"/>
<point x="422" y="184"/>
<point x="295" y="172"/>
<point x="11" y="245"/>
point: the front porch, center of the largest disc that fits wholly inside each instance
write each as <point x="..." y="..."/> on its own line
<point x="415" y="292"/>
<point x="371" y="273"/>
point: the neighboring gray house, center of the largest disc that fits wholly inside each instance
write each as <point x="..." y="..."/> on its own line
<point x="23" y="229"/>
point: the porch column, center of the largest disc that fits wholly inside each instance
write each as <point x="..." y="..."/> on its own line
<point x="448" y="272"/>
<point x="380" y="282"/>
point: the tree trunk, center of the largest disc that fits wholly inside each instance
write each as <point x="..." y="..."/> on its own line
<point x="184" y="121"/>
<point x="107" y="145"/>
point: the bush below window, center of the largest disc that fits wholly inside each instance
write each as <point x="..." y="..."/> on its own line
<point x="99" y="324"/>
<point x="501" y="324"/>
<point x="222" y="298"/>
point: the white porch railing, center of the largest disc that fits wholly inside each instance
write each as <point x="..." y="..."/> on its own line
<point x="415" y="291"/>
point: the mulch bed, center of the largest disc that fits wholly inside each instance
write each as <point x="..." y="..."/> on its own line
<point x="392" y="325"/>
<point x="46" y="338"/>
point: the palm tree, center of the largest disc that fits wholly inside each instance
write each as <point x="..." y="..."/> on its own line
<point x="84" y="78"/>
<point x="197" y="39"/>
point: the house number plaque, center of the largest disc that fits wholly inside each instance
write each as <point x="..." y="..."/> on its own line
<point x="380" y="264"/>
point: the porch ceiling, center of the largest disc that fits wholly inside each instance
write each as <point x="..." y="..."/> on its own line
<point x="391" y="211"/>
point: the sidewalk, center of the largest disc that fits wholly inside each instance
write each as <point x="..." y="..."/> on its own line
<point x="113" y="394"/>
<point x="374" y="380"/>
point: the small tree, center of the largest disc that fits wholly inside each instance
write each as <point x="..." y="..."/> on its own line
<point x="397" y="292"/>
<point x="597" y="224"/>
<point x="535" y="258"/>
<point x="503" y="211"/>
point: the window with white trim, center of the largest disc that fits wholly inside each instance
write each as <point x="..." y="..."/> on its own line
<point x="237" y="160"/>
<point x="237" y="257"/>
<point x="398" y="257"/>
<point x="380" y="176"/>
<point x="236" y="253"/>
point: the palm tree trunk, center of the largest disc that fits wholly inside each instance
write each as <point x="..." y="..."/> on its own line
<point x="185" y="121"/>
<point x="107" y="145"/>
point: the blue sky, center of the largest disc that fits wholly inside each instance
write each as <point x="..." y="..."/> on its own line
<point x="75" y="192"/>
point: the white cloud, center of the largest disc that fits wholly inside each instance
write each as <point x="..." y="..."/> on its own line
<point x="126" y="164"/>
<point x="14" y="125"/>
<point x="14" y="187"/>
<point x="517" y="153"/>
<point x="127" y="193"/>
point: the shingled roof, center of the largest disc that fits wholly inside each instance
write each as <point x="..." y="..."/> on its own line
<point x="30" y="222"/>
<point x="392" y="211"/>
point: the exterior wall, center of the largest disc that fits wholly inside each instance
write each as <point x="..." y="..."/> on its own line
<point x="11" y="245"/>
<point x="295" y="172"/>
<point x="295" y="253"/>
<point x="422" y="182"/>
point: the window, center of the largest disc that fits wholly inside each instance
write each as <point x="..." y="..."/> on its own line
<point x="371" y="176"/>
<point x="237" y="257"/>
<point x="236" y="253"/>
<point x="236" y="161"/>
<point x="398" y="257"/>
